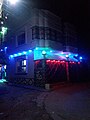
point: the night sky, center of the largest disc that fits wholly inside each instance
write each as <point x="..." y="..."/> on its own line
<point x="72" y="11"/>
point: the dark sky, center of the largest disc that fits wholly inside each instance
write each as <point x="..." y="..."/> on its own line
<point x="76" y="12"/>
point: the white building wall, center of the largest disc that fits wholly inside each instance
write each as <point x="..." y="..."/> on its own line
<point x="40" y="18"/>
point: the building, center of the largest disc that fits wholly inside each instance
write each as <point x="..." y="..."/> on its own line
<point x="37" y="54"/>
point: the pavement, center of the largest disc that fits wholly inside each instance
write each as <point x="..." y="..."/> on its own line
<point x="71" y="102"/>
<point x="19" y="103"/>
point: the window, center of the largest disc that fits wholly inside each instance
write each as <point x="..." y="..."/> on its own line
<point x="21" y="39"/>
<point x="47" y="33"/>
<point x="35" y="32"/>
<point x="41" y="33"/>
<point x="21" y="66"/>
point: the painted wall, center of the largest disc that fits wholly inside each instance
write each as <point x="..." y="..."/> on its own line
<point x="14" y="76"/>
<point x="41" y="18"/>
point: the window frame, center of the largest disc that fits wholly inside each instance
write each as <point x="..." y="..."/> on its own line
<point x="19" y="61"/>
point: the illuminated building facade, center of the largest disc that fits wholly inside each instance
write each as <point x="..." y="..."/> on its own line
<point x="37" y="54"/>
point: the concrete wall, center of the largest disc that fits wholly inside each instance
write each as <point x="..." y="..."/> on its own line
<point x="14" y="76"/>
<point x="41" y="18"/>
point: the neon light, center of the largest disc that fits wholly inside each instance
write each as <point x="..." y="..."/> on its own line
<point x="4" y="30"/>
<point x="36" y="48"/>
<point x="80" y="58"/>
<point x="2" y="80"/>
<point x="76" y="55"/>
<point x="30" y="51"/>
<point x="50" y="50"/>
<point x="62" y="53"/>
<point x="43" y="52"/>
<point x="5" y="48"/>
<point x="11" y="56"/>
<point x="24" y="52"/>
<point x="53" y="60"/>
<point x="1" y="49"/>
<point x="19" y="53"/>
<point x="50" y="54"/>
<point x="62" y="61"/>
<point x="48" y="61"/>
<point x="67" y="55"/>
<point x="15" y="55"/>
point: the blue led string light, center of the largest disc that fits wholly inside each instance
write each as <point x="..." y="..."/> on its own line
<point x="20" y="53"/>
<point x="44" y="51"/>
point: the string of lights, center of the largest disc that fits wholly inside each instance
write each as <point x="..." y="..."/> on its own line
<point x="49" y="53"/>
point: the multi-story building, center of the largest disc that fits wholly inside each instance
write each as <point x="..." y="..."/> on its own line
<point x="36" y="51"/>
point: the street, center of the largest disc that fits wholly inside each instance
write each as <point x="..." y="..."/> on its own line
<point x="70" y="102"/>
<point x="20" y="104"/>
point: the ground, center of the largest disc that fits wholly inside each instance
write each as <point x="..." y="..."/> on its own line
<point x="20" y="104"/>
<point x="71" y="102"/>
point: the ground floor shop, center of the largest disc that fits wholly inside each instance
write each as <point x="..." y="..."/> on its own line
<point x="42" y="66"/>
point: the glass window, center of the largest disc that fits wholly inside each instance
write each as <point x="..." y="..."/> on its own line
<point x="41" y="33"/>
<point x="47" y="33"/>
<point x="21" y="66"/>
<point x="35" y="32"/>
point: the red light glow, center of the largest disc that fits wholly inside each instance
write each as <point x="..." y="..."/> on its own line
<point x="48" y="61"/>
<point x="36" y="62"/>
<point x="78" y="62"/>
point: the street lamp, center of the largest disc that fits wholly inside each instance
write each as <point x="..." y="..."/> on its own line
<point x="13" y="1"/>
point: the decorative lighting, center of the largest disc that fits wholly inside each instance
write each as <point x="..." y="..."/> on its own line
<point x="11" y="56"/>
<point x="48" y="61"/>
<point x="62" y="53"/>
<point x="5" y="48"/>
<point x="19" y="53"/>
<point x="2" y="22"/>
<point x="15" y="55"/>
<point x="36" y="48"/>
<point x="24" y="52"/>
<point x="4" y="30"/>
<point x="43" y="52"/>
<point x="76" y="55"/>
<point x="2" y="80"/>
<point x="5" y="17"/>
<point x="80" y="58"/>
<point x="78" y="62"/>
<point x="67" y="56"/>
<point x="30" y="50"/>
<point x="50" y="50"/>
<point x="1" y="50"/>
